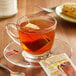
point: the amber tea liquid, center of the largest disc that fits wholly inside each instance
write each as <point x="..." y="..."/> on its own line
<point x="35" y="41"/>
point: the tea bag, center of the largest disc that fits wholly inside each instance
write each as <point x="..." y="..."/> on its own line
<point x="32" y="26"/>
<point x="37" y="44"/>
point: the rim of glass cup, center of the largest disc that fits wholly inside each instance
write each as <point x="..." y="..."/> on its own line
<point x="47" y="29"/>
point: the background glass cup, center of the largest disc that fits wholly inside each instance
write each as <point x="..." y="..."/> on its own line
<point x="8" y="8"/>
<point x="36" y="40"/>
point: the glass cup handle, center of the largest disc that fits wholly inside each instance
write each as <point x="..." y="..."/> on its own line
<point x="12" y="32"/>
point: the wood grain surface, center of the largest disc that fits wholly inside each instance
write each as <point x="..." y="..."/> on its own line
<point x="65" y="31"/>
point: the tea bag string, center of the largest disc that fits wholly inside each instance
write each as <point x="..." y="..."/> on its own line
<point x="45" y="37"/>
<point x="28" y="22"/>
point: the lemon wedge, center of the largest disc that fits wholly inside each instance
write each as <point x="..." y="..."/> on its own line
<point x="32" y="26"/>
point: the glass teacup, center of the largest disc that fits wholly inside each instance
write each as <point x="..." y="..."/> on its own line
<point x="36" y="36"/>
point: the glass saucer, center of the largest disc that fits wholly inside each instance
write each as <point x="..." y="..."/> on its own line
<point x="13" y="53"/>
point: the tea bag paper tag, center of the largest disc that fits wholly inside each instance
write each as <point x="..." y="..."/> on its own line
<point x="30" y="25"/>
<point x="53" y="65"/>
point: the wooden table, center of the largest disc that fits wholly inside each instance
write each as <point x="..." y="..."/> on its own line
<point x="65" y="31"/>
